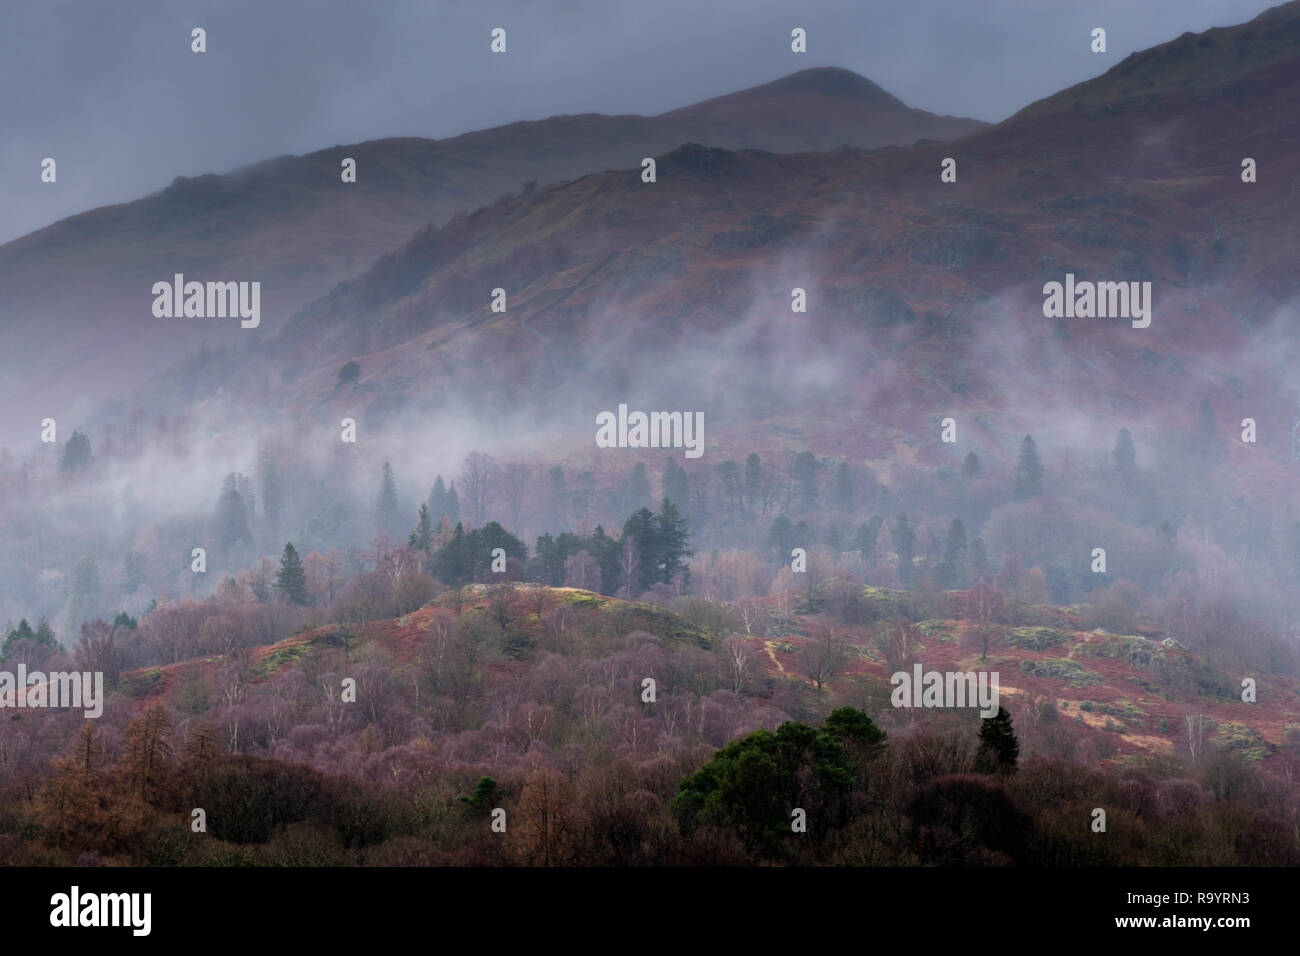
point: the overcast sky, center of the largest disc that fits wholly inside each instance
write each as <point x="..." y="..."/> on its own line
<point x="111" y="90"/>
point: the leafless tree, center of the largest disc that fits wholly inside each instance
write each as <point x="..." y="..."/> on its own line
<point x="478" y="474"/>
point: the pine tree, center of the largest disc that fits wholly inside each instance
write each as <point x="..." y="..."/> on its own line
<point x="953" y="568"/>
<point x="388" y="513"/>
<point x="970" y="466"/>
<point x="453" y="504"/>
<point x="674" y="532"/>
<point x="291" y="578"/>
<point x="868" y="533"/>
<point x="999" y="749"/>
<point x="781" y="537"/>
<point x="438" y="499"/>
<point x="1029" y="471"/>
<point x="804" y="472"/>
<point x="642" y="529"/>
<point x="232" y="516"/>
<point x="422" y="537"/>
<point x="76" y="453"/>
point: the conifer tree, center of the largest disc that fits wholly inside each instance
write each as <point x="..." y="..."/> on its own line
<point x="1029" y="471"/>
<point x="999" y="749"/>
<point x="291" y="578"/>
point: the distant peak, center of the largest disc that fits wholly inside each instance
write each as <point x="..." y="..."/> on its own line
<point x="832" y="81"/>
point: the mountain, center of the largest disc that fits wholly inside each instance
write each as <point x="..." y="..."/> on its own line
<point x="925" y="297"/>
<point x="75" y="297"/>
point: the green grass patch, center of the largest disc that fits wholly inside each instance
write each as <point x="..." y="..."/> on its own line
<point x="1060" y="668"/>
<point x="285" y="655"/>
<point x="1036" y="638"/>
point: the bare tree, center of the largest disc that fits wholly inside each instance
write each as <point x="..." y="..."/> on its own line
<point x="739" y="664"/>
<point x="629" y="562"/>
<point x="514" y="482"/>
<point x="823" y="657"/>
<point x="478" y="474"/>
<point x="1197" y="727"/>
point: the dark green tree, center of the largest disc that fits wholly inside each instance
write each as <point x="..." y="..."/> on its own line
<point x="291" y="578"/>
<point x="970" y="466"/>
<point x="388" y="513"/>
<point x="804" y="472"/>
<point x="231" y="521"/>
<point x="1029" y="471"/>
<point x="349" y="373"/>
<point x="76" y="453"/>
<point x="673" y="535"/>
<point x="752" y="786"/>
<point x="998" y="749"/>
<point x="421" y="538"/>
<point x="134" y="566"/>
<point x="781" y="537"/>
<point x="866" y="537"/>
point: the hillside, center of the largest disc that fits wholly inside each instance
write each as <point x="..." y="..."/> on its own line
<point x="924" y="298"/>
<point x="1075" y="693"/>
<point x="74" y="297"/>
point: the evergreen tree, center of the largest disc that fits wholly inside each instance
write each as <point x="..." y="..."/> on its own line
<point x="904" y="546"/>
<point x="642" y="528"/>
<point x="388" y="513"/>
<point x="231" y="521"/>
<point x="422" y="537"/>
<point x="804" y="472"/>
<point x="438" y="500"/>
<point x="76" y="453"/>
<point x="1029" y="471"/>
<point x="781" y="537"/>
<point x="677" y="486"/>
<point x="674" y="532"/>
<point x="42" y="635"/>
<point x="453" y="504"/>
<point x="998" y="748"/>
<point x="970" y="466"/>
<point x="133" y="571"/>
<point x="868" y="534"/>
<point x="952" y="571"/>
<point x="291" y="578"/>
